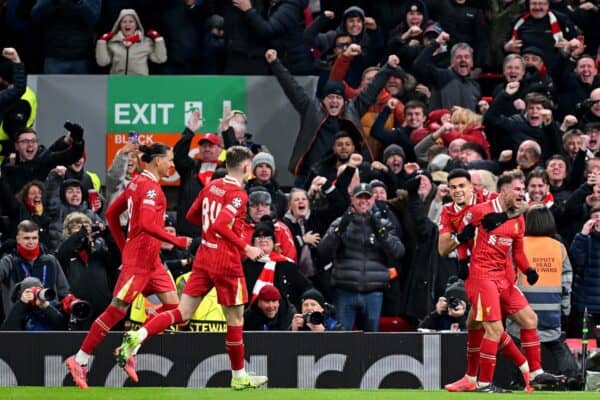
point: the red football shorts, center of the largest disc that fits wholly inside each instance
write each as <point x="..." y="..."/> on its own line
<point x="231" y="289"/>
<point x="133" y="281"/>
<point x="492" y="300"/>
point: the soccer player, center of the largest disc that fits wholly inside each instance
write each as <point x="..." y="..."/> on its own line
<point x="217" y="264"/>
<point x="142" y="270"/>
<point x="491" y="289"/>
<point x="464" y="196"/>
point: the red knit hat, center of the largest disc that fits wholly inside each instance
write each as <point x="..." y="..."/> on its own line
<point x="269" y="293"/>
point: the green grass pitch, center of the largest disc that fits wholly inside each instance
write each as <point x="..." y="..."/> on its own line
<point x="48" y="393"/>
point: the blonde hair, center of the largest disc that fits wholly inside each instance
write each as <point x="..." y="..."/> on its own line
<point x="466" y="116"/>
<point x="73" y="218"/>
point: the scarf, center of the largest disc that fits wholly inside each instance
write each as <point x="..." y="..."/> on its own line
<point x="206" y="172"/>
<point x="135" y="38"/>
<point x="267" y="275"/>
<point x="548" y="200"/>
<point x="28" y="254"/>
<point x="554" y="26"/>
<point x="34" y="209"/>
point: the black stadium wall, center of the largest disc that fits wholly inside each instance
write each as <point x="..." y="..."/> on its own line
<point x="292" y="360"/>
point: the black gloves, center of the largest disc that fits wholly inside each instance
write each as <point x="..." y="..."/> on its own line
<point x="381" y="223"/>
<point x="467" y="233"/>
<point x="76" y="131"/>
<point x="493" y="220"/>
<point x="463" y="269"/>
<point x="532" y="276"/>
<point x="412" y="185"/>
<point x="344" y="222"/>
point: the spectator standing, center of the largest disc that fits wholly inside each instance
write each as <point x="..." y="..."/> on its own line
<point x="67" y="29"/>
<point x="322" y="119"/>
<point x="362" y="245"/>
<point x="127" y="49"/>
<point x="34" y="161"/>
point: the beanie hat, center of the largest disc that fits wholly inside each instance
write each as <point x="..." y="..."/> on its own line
<point x="333" y="87"/>
<point x="264" y="228"/>
<point x="533" y="50"/>
<point x="215" y="21"/>
<point x="70" y="183"/>
<point x="354" y="11"/>
<point x="393" y="149"/>
<point x="263" y="158"/>
<point x="415" y="5"/>
<point x="455" y="288"/>
<point x="258" y="195"/>
<point x="269" y="293"/>
<point x="313" y="294"/>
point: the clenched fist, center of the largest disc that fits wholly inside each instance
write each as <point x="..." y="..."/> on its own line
<point x="271" y="55"/>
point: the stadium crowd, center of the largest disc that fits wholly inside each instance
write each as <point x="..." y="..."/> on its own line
<point x="409" y="91"/>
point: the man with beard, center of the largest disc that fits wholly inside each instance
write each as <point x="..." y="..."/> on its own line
<point x="452" y="86"/>
<point x="344" y="146"/>
<point x="194" y="174"/>
<point x="490" y="288"/>
<point x="322" y="119"/>
<point x="506" y="131"/>
<point x="270" y="312"/>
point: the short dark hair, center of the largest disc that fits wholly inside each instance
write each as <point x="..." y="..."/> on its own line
<point x="591" y="126"/>
<point x="154" y="150"/>
<point x="458" y="173"/>
<point x="475" y="147"/>
<point x="538" y="173"/>
<point x="342" y="134"/>
<point x="509" y="176"/>
<point x="236" y="155"/>
<point x="558" y="157"/>
<point x="537" y="98"/>
<point x="416" y="104"/>
<point x="539" y="221"/>
<point x="27" y="226"/>
<point x="25" y="130"/>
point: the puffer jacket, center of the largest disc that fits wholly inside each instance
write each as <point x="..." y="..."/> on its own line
<point x="585" y="254"/>
<point x="360" y="258"/>
<point x="133" y="59"/>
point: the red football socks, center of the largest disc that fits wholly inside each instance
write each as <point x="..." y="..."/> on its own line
<point x="105" y="321"/>
<point x="530" y="342"/>
<point x="509" y="349"/>
<point x="487" y="360"/>
<point x="162" y="321"/>
<point x="474" y="338"/>
<point x="234" y="345"/>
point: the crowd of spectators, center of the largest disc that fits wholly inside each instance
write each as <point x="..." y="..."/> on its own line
<point x="408" y="91"/>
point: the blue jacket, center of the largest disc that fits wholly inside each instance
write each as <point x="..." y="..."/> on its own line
<point x="585" y="254"/>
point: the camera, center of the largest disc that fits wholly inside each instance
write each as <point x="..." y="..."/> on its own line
<point x="42" y="294"/>
<point x="315" y="318"/>
<point x="77" y="309"/>
<point x="95" y="229"/>
<point x="453" y="303"/>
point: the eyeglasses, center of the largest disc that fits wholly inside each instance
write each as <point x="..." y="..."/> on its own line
<point x="342" y="45"/>
<point x="27" y="141"/>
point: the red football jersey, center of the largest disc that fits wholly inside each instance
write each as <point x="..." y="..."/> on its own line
<point x="451" y="219"/>
<point x="215" y="209"/>
<point x="492" y="249"/>
<point x="146" y="204"/>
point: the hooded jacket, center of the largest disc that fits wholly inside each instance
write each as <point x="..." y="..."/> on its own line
<point x="133" y="59"/>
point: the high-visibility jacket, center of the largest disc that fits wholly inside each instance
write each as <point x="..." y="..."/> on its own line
<point x="5" y="140"/>
<point x="209" y="316"/>
<point x="549" y="258"/>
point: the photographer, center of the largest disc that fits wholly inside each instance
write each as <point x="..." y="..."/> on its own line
<point x="28" y="261"/>
<point x="88" y="263"/>
<point x="450" y="312"/>
<point x="317" y="316"/>
<point x="34" y="308"/>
